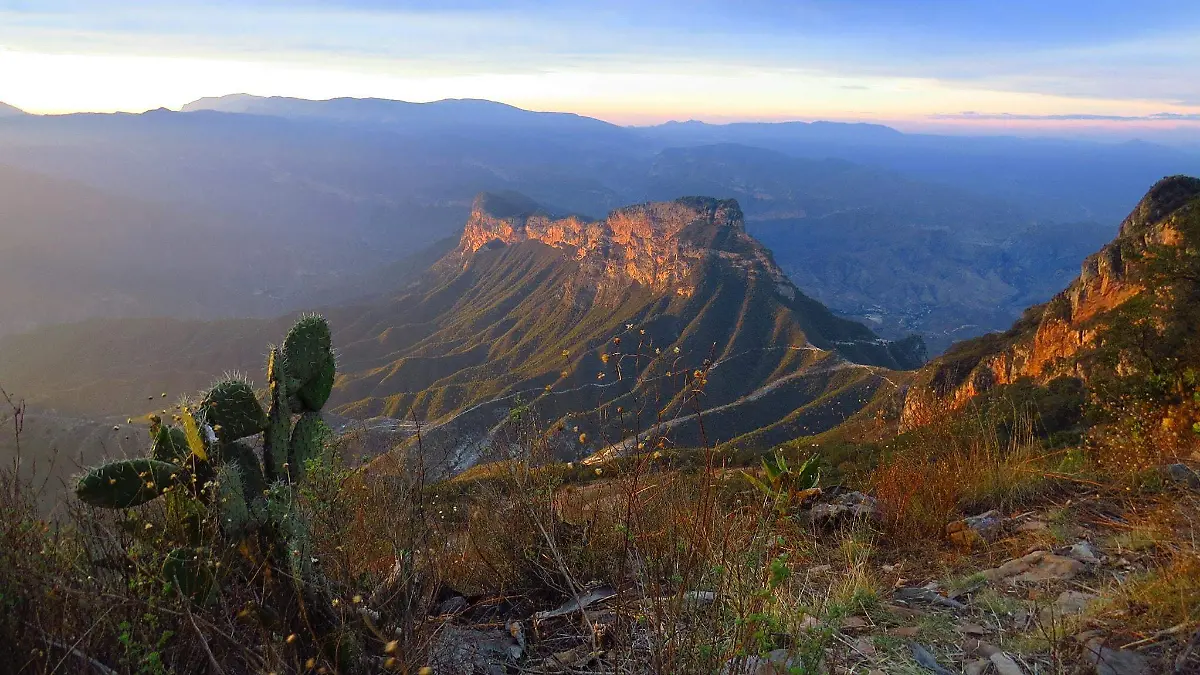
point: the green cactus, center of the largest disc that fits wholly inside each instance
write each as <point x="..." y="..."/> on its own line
<point x="307" y="349"/>
<point x="279" y="419"/>
<point x="232" y="410"/>
<point x="309" y="437"/>
<point x="170" y="444"/>
<point x="128" y="482"/>
<point x="232" y="502"/>
<point x="187" y="568"/>
<point x="313" y="394"/>
<point x="249" y="496"/>
<point x="242" y="456"/>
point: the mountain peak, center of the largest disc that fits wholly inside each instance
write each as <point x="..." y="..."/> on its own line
<point x="1167" y="195"/>
<point x="1063" y="336"/>
<point x="7" y="110"/>
<point x="656" y="244"/>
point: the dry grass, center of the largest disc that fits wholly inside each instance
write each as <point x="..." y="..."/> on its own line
<point x="960" y="464"/>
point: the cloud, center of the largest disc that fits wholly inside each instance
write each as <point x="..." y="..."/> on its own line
<point x="1068" y="117"/>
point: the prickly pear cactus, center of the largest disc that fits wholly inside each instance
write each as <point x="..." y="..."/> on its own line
<point x="188" y="569"/>
<point x="307" y="346"/>
<point x="232" y="410"/>
<point x="221" y="474"/>
<point x="128" y="482"/>
<point x="170" y="444"/>
<point x="309" y="437"/>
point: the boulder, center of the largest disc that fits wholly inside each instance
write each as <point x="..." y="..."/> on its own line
<point x="975" y="530"/>
<point x="1181" y="475"/>
<point x="846" y="506"/>
<point x="1109" y="661"/>
<point x="1037" y="567"/>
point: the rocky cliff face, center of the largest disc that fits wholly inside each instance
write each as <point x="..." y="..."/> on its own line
<point x="657" y="245"/>
<point x="1049" y="340"/>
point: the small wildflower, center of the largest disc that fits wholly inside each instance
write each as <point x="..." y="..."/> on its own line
<point x="291" y="639"/>
<point x="391" y="647"/>
<point x="599" y="471"/>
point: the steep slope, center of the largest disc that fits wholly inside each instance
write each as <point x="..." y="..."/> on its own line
<point x="1133" y="310"/>
<point x="578" y="319"/>
<point x="7" y="110"/>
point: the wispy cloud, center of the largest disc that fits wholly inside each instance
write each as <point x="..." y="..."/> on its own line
<point x="1021" y="117"/>
<point x="680" y="58"/>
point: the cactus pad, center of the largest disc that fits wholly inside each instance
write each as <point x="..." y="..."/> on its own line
<point x="313" y="394"/>
<point x="170" y="445"/>
<point x="186" y="568"/>
<point x="309" y="437"/>
<point x="242" y="457"/>
<point x="231" y="500"/>
<point x="127" y="482"/>
<point x="233" y="411"/>
<point x="307" y="348"/>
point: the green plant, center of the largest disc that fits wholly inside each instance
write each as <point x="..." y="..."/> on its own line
<point x="783" y="484"/>
<point x="209" y="473"/>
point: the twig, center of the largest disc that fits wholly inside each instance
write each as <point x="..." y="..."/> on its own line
<point x="76" y="653"/>
<point x="1181" y="661"/>
<point x="73" y="649"/>
<point x="212" y="660"/>
<point x="1157" y="636"/>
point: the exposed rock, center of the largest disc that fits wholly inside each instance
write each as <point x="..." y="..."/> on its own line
<point x="657" y="245"/>
<point x="1005" y="665"/>
<point x="975" y="530"/>
<point x="913" y="593"/>
<point x="466" y="651"/>
<point x="1083" y="552"/>
<point x="977" y="667"/>
<point x="1070" y="603"/>
<point x="1115" y="661"/>
<point x="776" y="662"/>
<point x="453" y="605"/>
<point x="585" y="600"/>
<point x="847" y="506"/>
<point x="1182" y="475"/>
<point x="1037" y="567"/>
<point x="1032" y="526"/>
<point x="926" y="660"/>
<point x="1046" y="341"/>
<point x="865" y="646"/>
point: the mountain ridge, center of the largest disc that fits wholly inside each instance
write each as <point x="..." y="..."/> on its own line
<point x="7" y="110"/>
<point x="1066" y="336"/>
<point x="553" y="326"/>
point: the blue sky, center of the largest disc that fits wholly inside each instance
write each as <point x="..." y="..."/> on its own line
<point x="1052" y="64"/>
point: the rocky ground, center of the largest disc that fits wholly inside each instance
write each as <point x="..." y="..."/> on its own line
<point x="1080" y="584"/>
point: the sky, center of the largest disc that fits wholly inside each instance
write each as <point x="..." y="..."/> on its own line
<point x="1059" y="66"/>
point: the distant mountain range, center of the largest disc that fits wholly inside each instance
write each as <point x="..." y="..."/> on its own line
<point x="10" y="111"/>
<point x="303" y="201"/>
